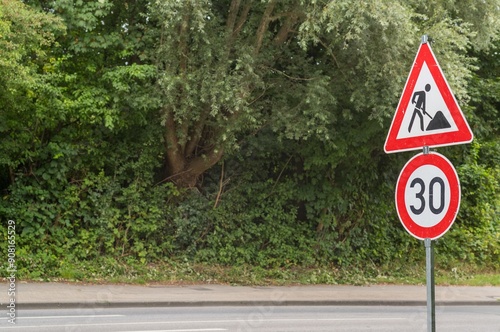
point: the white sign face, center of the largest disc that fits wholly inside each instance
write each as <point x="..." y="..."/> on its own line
<point x="427" y="195"/>
<point x="427" y="112"/>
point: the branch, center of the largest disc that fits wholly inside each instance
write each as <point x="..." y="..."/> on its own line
<point x="200" y="164"/>
<point x="286" y="28"/>
<point x="279" y="176"/>
<point x="182" y="129"/>
<point x="175" y="159"/>
<point x="243" y="18"/>
<point x="291" y="77"/>
<point x="233" y="13"/>
<point x="183" y="45"/>
<point x="264" y="24"/>
<point x="196" y="133"/>
<point x="221" y="186"/>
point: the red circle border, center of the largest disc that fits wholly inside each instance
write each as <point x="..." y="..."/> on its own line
<point x="438" y="230"/>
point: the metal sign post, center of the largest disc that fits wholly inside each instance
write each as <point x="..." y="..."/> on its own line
<point x="429" y="271"/>
<point x="428" y="188"/>
<point x="431" y="298"/>
<point x="427" y="202"/>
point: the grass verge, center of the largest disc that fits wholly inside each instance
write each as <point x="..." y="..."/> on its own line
<point x="109" y="270"/>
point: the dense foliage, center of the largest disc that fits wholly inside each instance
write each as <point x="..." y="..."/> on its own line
<point x="233" y="132"/>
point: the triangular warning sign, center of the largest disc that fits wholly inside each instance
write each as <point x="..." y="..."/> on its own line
<point x="428" y="113"/>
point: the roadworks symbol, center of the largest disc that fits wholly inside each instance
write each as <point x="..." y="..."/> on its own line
<point x="438" y="121"/>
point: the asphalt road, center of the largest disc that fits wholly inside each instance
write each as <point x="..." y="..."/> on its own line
<point x="261" y="319"/>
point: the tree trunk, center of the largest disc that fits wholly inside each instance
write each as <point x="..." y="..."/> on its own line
<point x="183" y="164"/>
<point x="185" y="171"/>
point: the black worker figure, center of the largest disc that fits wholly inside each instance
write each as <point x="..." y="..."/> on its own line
<point x="419" y="100"/>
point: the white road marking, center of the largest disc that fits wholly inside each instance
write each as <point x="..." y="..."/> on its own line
<point x="190" y="330"/>
<point x="207" y="322"/>
<point x="79" y="316"/>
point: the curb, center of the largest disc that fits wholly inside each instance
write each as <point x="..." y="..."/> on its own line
<point x="96" y="305"/>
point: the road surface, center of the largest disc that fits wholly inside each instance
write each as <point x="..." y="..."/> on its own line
<point x="259" y="319"/>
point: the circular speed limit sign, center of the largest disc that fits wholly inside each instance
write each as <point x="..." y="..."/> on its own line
<point x="428" y="195"/>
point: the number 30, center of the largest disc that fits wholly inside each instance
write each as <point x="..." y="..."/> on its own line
<point x="420" y="195"/>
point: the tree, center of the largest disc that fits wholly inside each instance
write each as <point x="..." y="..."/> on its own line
<point x="229" y="69"/>
<point x="26" y="44"/>
<point x="226" y="69"/>
<point x="220" y="71"/>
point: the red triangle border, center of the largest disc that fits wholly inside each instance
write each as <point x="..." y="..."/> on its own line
<point x="464" y="133"/>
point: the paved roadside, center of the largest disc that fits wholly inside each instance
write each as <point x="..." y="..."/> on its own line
<point x="74" y="295"/>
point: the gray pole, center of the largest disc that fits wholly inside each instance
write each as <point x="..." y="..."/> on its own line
<point x="431" y="298"/>
<point x="429" y="269"/>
